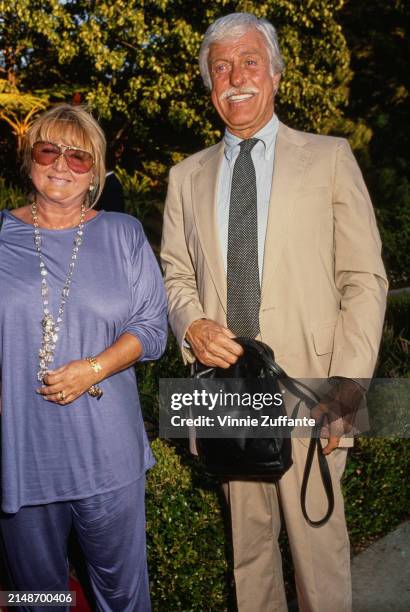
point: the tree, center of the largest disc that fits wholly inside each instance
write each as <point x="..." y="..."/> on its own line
<point x="28" y="38"/>
<point x="135" y="63"/>
<point x="19" y="109"/>
<point x="379" y="98"/>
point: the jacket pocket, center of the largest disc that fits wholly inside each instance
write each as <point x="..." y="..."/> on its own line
<point x="323" y="338"/>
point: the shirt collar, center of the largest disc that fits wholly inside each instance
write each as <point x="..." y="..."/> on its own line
<point x="267" y="135"/>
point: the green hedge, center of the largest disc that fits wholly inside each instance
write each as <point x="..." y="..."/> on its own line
<point x="398" y="313"/>
<point x="394" y="354"/>
<point x="376" y="487"/>
<point x="187" y="548"/>
<point x="185" y="536"/>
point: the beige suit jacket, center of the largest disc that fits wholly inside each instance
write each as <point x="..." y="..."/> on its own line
<point x="323" y="286"/>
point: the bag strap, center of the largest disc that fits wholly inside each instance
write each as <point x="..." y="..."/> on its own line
<point x="314" y="444"/>
<point x="324" y="473"/>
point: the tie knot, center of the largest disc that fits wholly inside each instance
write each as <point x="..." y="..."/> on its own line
<point x="247" y="145"/>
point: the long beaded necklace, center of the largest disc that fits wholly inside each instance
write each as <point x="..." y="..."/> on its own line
<point x="50" y="326"/>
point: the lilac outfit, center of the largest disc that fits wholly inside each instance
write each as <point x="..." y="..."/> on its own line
<point x="56" y="453"/>
<point x="111" y="530"/>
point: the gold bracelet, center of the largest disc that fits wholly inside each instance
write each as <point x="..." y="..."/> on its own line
<point x="96" y="366"/>
<point x="95" y="390"/>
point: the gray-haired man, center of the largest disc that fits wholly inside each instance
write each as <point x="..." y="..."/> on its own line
<point x="271" y="234"/>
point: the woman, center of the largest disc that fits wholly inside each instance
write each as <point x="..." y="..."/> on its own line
<point x="81" y="300"/>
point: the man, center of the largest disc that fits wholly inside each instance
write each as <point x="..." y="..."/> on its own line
<point x="271" y="234"/>
<point x="112" y="197"/>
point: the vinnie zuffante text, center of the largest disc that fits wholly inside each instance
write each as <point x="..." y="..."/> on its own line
<point x="203" y="399"/>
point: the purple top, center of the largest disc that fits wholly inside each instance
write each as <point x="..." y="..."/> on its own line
<point x="51" y="452"/>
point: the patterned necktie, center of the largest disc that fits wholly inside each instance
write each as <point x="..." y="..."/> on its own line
<point x="244" y="292"/>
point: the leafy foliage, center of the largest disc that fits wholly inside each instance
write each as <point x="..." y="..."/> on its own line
<point x="394" y="354"/>
<point x="398" y="313"/>
<point x="141" y="193"/>
<point x="185" y="536"/>
<point x="392" y="195"/>
<point x="135" y="63"/>
<point x="376" y="487"/>
<point x="379" y="99"/>
<point x="18" y="109"/>
<point x="10" y="197"/>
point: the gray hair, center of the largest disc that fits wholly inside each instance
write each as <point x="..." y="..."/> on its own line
<point x="234" y="26"/>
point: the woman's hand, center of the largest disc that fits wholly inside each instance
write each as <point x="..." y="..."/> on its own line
<point x="65" y="384"/>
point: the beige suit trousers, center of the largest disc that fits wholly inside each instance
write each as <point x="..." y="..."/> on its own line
<point x="321" y="555"/>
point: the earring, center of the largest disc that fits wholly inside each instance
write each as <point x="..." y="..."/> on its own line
<point x="91" y="187"/>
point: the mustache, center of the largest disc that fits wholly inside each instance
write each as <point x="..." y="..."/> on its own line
<point x="234" y="91"/>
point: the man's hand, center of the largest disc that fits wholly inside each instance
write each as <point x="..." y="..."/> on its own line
<point x="65" y="384"/>
<point x="212" y="343"/>
<point x="333" y="443"/>
<point x="338" y="407"/>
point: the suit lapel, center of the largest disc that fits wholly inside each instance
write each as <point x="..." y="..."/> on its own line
<point x="204" y="202"/>
<point x="291" y="160"/>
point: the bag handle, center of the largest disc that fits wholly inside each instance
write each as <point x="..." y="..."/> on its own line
<point x="324" y="473"/>
<point x="314" y="444"/>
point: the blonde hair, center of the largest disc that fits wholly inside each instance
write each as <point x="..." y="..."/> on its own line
<point x="77" y="127"/>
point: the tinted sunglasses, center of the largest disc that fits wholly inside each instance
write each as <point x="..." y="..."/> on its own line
<point x="47" y="153"/>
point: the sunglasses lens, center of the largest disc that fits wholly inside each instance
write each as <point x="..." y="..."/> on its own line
<point x="79" y="161"/>
<point x="45" y="153"/>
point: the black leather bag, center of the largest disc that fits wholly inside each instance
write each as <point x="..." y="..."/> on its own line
<point x="247" y="457"/>
<point x="255" y="458"/>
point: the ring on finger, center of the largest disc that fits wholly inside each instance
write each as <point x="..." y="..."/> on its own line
<point x="61" y="396"/>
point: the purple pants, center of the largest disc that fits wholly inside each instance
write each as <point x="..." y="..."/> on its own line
<point x="111" y="530"/>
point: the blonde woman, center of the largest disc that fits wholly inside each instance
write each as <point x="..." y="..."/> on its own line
<point x="81" y="300"/>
